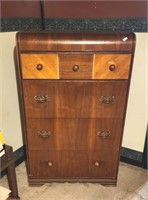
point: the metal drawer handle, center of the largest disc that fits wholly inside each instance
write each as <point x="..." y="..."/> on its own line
<point x="103" y="134"/>
<point x="107" y="99"/>
<point x="44" y="134"/>
<point x="41" y="98"/>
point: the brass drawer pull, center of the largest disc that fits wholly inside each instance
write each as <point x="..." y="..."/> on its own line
<point x="75" y="68"/>
<point x="39" y="67"/>
<point x="44" y="134"/>
<point x="97" y="164"/>
<point x="112" y="67"/>
<point x="50" y="163"/>
<point x="41" y="98"/>
<point x="103" y="134"/>
<point x="107" y="99"/>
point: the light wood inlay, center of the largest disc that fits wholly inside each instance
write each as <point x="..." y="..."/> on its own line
<point x="102" y="63"/>
<point x="49" y="63"/>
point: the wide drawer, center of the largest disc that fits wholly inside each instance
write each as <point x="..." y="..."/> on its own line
<point x="74" y="99"/>
<point x="75" y="66"/>
<point x="66" y="164"/>
<point x="111" y="66"/>
<point x="74" y="134"/>
<point x="39" y="66"/>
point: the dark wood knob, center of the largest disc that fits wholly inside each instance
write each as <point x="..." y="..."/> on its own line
<point x="97" y="164"/>
<point x="75" y="68"/>
<point x="39" y="67"/>
<point x="112" y="67"/>
<point x="50" y="164"/>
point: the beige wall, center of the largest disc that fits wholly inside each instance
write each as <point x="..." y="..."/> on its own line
<point x="135" y="126"/>
<point x="10" y="108"/>
<point x="137" y="110"/>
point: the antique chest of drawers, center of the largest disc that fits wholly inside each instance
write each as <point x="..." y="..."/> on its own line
<point x="73" y="91"/>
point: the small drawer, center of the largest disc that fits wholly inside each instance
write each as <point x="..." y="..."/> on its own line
<point x="40" y="66"/>
<point x="66" y="164"/>
<point x="111" y="66"/>
<point x="75" y="66"/>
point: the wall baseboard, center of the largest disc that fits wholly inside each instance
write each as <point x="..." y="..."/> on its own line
<point x="132" y="157"/>
<point x="20" y="155"/>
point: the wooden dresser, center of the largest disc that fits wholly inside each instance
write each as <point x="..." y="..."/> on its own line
<point x="73" y="91"/>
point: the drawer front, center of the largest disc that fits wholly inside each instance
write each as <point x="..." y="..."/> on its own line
<point x="40" y="66"/>
<point x="74" y="99"/>
<point x="66" y="164"/>
<point x="75" y="66"/>
<point x="111" y="66"/>
<point x="74" y="134"/>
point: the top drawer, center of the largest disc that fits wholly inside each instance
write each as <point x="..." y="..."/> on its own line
<point x="75" y="66"/>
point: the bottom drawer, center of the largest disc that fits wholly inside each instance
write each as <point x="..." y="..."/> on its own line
<point x="73" y="164"/>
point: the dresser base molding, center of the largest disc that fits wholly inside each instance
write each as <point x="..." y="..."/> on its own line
<point x="102" y="181"/>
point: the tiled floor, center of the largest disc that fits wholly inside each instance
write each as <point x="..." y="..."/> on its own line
<point x="132" y="185"/>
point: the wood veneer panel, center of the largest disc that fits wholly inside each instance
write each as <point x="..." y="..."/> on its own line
<point x="73" y="134"/>
<point x="73" y="42"/>
<point x="82" y="62"/>
<point x="66" y="164"/>
<point x="49" y="62"/>
<point x="74" y="99"/>
<point x="103" y="62"/>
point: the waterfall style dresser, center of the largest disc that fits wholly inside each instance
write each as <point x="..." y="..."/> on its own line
<point x="73" y="91"/>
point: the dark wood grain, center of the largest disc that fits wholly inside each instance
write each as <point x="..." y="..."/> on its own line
<point x="45" y="41"/>
<point x="66" y="164"/>
<point x="84" y="62"/>
<point x="74" y="99"/>
<point x="73" y="134"/>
